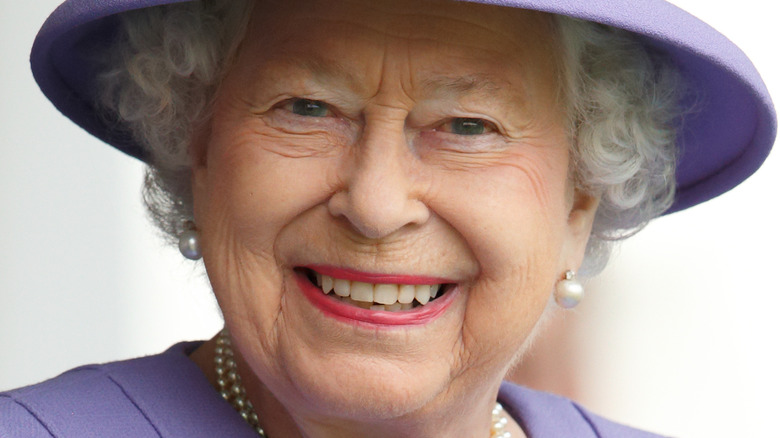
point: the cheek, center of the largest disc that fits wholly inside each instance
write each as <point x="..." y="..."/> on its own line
<point x="250" y="195"/>
<point x="513" y="218"/>
<point x="510" y="214"/>
<point x="255" y="191"/>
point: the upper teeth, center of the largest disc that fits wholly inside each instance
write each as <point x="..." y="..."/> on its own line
<point x="392" y="296"/>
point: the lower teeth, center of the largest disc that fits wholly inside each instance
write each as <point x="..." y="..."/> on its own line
<point x="376" y="306"/>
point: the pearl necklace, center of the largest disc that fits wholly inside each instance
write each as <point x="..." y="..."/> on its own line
<point x="230" y="387"/>
<point x="232" y="390"/>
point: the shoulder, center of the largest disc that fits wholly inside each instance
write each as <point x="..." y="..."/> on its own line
<point x="543" y="414"/>
<point x="16" y="420"/>
<point x="66" y="405"/>
<point x="119" y="399"/>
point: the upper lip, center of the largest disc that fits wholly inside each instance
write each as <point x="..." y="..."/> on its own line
<point x="374" y="277"/>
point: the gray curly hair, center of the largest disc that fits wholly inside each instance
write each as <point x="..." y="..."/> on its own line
<point x="161" y="76"/>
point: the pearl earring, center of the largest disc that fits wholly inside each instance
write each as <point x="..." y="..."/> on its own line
<point x="189" y="242"/>
<point x="569" y="292"/>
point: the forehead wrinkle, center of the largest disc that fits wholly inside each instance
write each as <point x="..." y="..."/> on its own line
<point x="329" y="70"/>
<point x="463" y="85"/>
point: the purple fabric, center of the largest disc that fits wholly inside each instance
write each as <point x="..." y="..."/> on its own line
<point x="721" y="144"/>
<point x="544" y="415"/>
<point x="157" y="396"/>
<point x="63" y="64"/>
<point x="167" y="396"/>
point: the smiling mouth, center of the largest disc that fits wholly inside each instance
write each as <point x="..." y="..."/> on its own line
<point x="389" y="297"/>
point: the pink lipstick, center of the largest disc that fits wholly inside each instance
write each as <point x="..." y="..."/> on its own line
<point x="336" y="308"/>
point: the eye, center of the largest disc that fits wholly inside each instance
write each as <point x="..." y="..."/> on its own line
<point x="309" y="108"/>
<point x="468" y="126"/>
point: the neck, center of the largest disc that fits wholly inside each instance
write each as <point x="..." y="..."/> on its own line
<point x="280" y="421"/>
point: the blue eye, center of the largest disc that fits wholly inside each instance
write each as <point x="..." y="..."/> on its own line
<point x="466" y="126"/>
<point x="310" y="108"/>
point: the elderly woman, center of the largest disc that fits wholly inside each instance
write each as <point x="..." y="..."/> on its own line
<point x="388" y="197"/>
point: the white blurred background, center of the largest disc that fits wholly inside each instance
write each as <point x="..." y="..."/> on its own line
<point x="677" y="336"/>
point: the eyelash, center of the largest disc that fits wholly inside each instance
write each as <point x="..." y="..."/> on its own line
<point x="484" y="127"/>
<point x="301" y="104"/>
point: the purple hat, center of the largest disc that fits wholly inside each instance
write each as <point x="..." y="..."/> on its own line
<point x="723" y="143"/>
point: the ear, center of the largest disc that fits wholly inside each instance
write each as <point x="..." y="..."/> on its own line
<point x="579" y="227"/>
<point x="198" y="152"/>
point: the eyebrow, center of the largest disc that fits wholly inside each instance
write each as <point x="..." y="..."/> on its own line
<point x="459" y="85"/>
<point x="331" y="71"/>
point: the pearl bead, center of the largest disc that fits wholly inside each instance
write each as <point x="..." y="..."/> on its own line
<point x="189" y="244"/>
<point x="569" y="293"/>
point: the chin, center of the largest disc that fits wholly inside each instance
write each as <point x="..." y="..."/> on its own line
<point x="358" y="369"/>
<point x="366" y="388"/>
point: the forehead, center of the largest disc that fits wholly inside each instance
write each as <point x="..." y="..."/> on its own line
<point x="414" y="19"/>
<point x="446" y="44"/>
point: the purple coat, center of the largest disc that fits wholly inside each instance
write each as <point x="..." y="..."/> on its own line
<point x="166" y="396"/>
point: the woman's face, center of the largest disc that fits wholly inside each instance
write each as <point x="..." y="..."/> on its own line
<point x="407" y="144"/>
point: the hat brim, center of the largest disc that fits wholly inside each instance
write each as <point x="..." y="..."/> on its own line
<point x="722" y="143"/>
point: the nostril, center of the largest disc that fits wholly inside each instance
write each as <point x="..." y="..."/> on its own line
<point x="378" y="217"/>
<point x="379" y="195"/>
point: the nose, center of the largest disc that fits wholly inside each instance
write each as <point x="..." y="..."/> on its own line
<point x="381" y="190"/>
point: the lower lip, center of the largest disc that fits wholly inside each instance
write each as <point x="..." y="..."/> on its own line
<point x="334" y="308"/>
